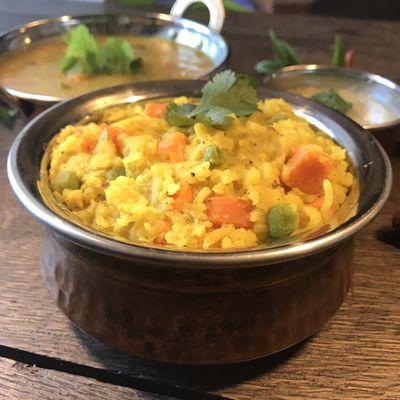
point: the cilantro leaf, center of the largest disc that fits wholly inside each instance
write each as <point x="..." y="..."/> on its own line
<point x="220" y="83"/>
<point x="331" y="98"/>
<point x="227" y="93"/>
<point x="248" y="80"/>
<point x="177" y="115"/>
<point x="235" y="93"/>
<point x="284" y="52"/>
<point x="85" y="56"/>
<point x="7" y="116"/>
<point x="214" y="91"/>
<point x="203" y="119"/>
<point x="219" y="116"/>
<point x="119" y="56"/>
<point x="284" y="55"/>
<point x="268" y="66"/>
<point x="244" y="94"/>
<point x="338" y="53"/>
<point x="83" y="53"/>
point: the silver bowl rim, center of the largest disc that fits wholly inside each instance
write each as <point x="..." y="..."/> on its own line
<point x="185" y="22"/>
<point x="181" y="258"/>
<point x="351" y="72"/>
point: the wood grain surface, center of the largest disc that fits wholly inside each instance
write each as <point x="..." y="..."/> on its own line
<point x="355" y="356"/>
<point x="22" y="381"/>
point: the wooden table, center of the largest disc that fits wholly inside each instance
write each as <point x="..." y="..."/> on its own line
<point x="355" y="356"/>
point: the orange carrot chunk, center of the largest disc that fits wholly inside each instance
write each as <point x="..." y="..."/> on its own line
<point x="155" y="110"/>
<point x="165" y="226"/>
<point x="173" y="146"/>
<point x="317" y="203"/>
<point x="306" y="169"/>
<point x="229" y="210"/>
<point x="87" y="145"/>
<point x="183" y="197"/>
<point x="114" y="133"/>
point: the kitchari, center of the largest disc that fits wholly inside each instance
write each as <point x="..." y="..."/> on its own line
<point x="223" y="171"/>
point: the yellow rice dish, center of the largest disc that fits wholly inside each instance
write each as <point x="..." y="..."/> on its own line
<point x="265" y="176"/>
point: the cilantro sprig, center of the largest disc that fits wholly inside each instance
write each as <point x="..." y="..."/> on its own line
<point x="226" y="94"/>
<point x="338" y="56"/>
<point x="7" y="116"/>
<point x="332" y="98"/>
<point x="284" y="55"/>
<point x="84" y="55"/>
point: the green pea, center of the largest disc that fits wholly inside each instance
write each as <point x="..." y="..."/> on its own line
<point x="277" y="118"/>
<point x="66" y="180"/>
<point x="282" y="220"/>
<point x="213" y="154"/>
<point x="115" y="172"/>
<point x="190" y="131"/>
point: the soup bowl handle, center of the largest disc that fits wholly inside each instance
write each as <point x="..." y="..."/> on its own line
<point x="215" y="8"/>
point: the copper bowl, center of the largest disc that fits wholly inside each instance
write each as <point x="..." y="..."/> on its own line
<point x="197" y="307"/>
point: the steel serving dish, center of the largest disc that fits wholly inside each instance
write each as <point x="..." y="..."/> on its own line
<point x="372" y="87"/>
<point x="196" y="307"/>
<point x="172" y="27"/>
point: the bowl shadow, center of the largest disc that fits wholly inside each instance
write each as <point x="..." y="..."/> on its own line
<point x="389" y="236"/>
<point x="201" y="377"/>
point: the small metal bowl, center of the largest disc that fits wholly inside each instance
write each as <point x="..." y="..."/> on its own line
<point x="376" y="90"/>
<point x="172" y="27"/>
<point x="197" y="307"/>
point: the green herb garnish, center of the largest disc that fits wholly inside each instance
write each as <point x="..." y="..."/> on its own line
<point x="178" y="115"/>
<point x="83" y="53"/>
<point x="7" y="116"/>
<point x="285" y="55"/>
<point x="119" y="57"/>
<point x="227" y="93"/>
<point x="85" y="56"/>
<point x="338" y="59"/>
<point x="331" y="98"/>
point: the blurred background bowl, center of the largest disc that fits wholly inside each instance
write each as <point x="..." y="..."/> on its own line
<point x="375" y="99"/>
<point x="172" y="27"/>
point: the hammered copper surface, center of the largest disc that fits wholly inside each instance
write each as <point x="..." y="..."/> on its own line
<point x="212" y="316"/>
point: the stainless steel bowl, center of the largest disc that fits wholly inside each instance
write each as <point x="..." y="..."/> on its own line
<point x="370" y="163"/>
<point x="373" y="88"/>
<point x="192" y="306"/>
<point x="172" y="27"/>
